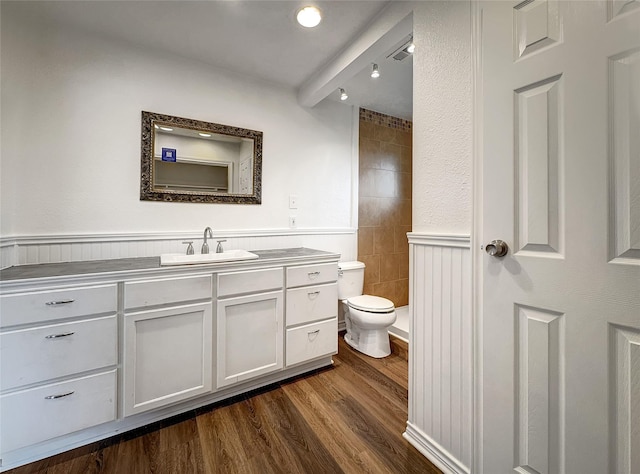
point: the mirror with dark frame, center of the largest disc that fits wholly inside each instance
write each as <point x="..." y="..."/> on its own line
<point x="186" y="160"/>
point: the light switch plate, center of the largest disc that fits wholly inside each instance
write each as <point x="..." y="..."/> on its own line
<point x="292" y="221"/>
<point x="293" y="201"/>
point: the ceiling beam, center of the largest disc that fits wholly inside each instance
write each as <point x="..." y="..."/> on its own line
<point x="387" y="29"/>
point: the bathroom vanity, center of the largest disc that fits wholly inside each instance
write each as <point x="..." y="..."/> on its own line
<point x="92" y="349"/>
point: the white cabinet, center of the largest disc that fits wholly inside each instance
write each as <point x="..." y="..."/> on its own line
<point x="43" y="412"/>
<point x="249" y="327"/>
<point x="83" y="357"/>
<point x="308" y="342"/>
<point x="167" y="350"/>
<point x="58" y="352"/>
<point x="34" y="354"/>
<point x="311" y="312"/>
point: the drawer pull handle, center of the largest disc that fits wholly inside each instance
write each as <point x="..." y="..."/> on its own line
<point x="313" y="293"/>
<point x="56" y="336"/>
<point x="56" y="303"/>
<point x="313" y="275"/>
<point x="60" y="395"/>
<point x="313" y="334"/>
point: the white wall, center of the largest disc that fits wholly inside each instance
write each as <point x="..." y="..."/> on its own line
<point x="440" y="421"/>
<point x="442" y="134"/>
<point x="71" y="111"/>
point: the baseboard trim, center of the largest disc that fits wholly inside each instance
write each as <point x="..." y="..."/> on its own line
<point x="435" y="453"/>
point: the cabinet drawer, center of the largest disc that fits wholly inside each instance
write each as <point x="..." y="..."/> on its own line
<point x="50" y="305"/>
<point x="312" y="274"/>
<point x="311" y="341"/>
<point x="38" y="354"/>
<point x="138" y="294"/>
<point x="253" y="281"/>
<point x="35" y="415"/>
<point x="311" y="303"/>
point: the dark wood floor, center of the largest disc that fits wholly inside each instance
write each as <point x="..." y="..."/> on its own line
<point x="348" y="418"/>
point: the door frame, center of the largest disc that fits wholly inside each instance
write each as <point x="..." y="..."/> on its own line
<point x="477" y="189"/>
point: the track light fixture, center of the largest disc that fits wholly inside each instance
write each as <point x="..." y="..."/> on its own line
<point x="343" y="94"/>
<point x="375" y="72"/>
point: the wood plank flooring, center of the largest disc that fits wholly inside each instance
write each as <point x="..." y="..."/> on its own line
<point x="348" y="418"/>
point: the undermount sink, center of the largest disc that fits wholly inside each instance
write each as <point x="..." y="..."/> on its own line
<point x="228" y="256"/>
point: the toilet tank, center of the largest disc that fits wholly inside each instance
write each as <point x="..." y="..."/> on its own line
<point x="350" y="279"/>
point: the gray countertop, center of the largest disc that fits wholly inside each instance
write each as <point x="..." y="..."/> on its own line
<point x="48" y="270"/>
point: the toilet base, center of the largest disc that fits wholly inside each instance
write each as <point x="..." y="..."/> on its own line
<point x="372" y="342"/>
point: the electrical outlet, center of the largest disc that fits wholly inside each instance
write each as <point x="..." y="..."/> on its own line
<point x="293" y="201"/>
<point x="292" y="221"/>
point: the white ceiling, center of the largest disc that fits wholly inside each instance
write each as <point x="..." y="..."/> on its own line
<point x="258" y="38"/>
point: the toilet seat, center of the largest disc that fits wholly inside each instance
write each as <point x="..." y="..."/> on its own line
<point x="371" y="304"/>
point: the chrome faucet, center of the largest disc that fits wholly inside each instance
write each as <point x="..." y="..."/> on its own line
<point x="205" y="246"/>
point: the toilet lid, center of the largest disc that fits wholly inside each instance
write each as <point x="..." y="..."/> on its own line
<point x="374" y="304"/>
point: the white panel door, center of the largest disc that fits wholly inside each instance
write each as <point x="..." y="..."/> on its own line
<point x="561" y="185"/>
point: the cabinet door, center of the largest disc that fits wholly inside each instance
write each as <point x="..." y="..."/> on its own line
<point x="167" y="356"/>
<point x="250" y="337"/>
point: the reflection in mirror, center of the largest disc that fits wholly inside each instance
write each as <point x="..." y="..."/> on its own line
<point x="188" y="160"/>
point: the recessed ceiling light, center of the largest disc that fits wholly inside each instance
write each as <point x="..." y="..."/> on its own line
<point x="206" y="135"/>
<point x="166" y="129"/>
<point x="309" y="17"/>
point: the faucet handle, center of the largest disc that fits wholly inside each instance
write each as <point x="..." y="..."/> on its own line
<point x="189" y="247"/>
<point x="219" y="248"/>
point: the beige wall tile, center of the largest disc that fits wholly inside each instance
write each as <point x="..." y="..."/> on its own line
<point x="406" y="159"/>
<point x="385" y="210"/>
<point x="366" y="182"/>
<point x="403" y="265"/>
<point x="365" y="241"/>
<point x="401" y="240"/>
<point x="369" y="153"/>
<point x="403" y="138"/>
<point x="389" y="267"/>
<point x="402" y="292"/>
<point x="403" y="185"/>
<point x="367" y="129"/>
<point x="390" y="156"/>
<point x="405" y="212"/>
<point x="384" y="134"/>
<point x="372" y="269"/>
<point x="368" y="212"/>
<point x="385" y="184"/>
<point x="383" y="240"/>
<point x="389" y="211"/>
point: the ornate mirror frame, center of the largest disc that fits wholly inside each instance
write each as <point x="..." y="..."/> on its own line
<point x="148" y="191"/>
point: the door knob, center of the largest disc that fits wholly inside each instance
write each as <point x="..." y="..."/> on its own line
<point x="497" y="248"/>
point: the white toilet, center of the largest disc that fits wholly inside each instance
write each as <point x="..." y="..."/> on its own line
<point x="367" y="317"/>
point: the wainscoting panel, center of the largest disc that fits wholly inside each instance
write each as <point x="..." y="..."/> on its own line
<point x="440" y="350"/>
<point x="26" y="250"/>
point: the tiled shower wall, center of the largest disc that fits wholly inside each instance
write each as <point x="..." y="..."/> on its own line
<point x="384" y="207"/>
